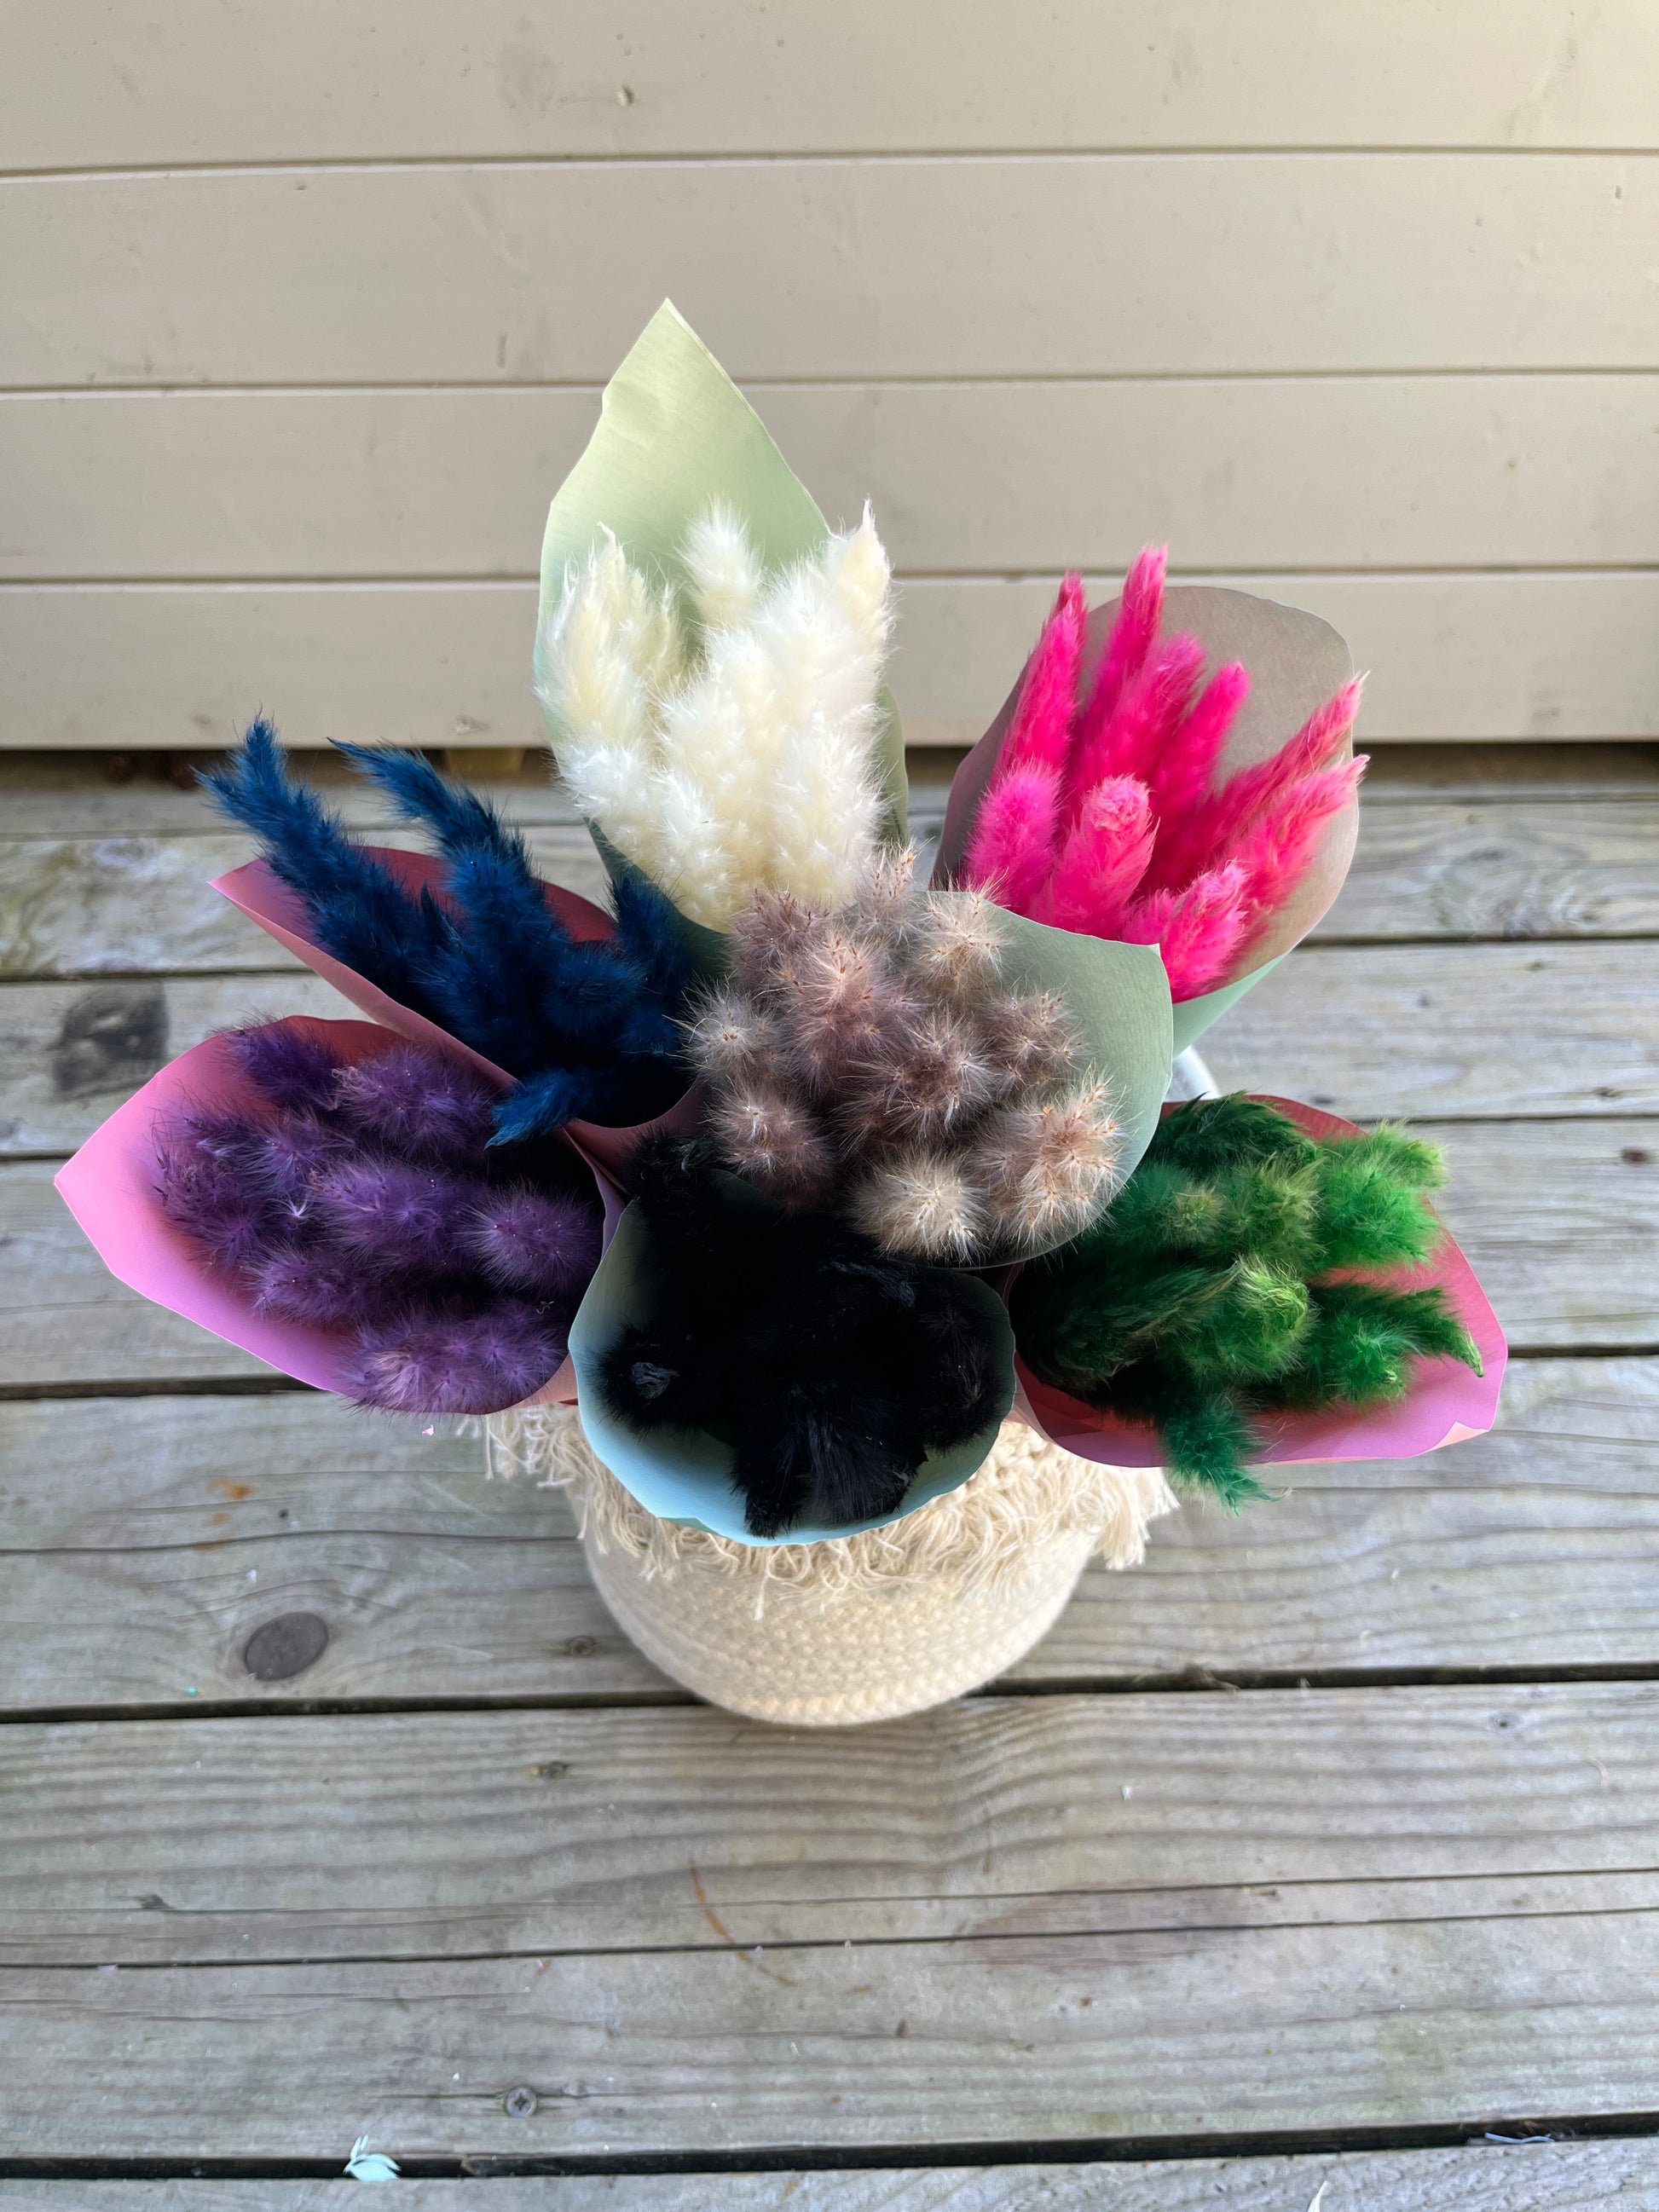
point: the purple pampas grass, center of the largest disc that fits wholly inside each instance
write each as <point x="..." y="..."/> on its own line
<point x="418" y="1103"/>
<point x="286" y="1161"/>
<point x="527" y="1241"/>
<point x="466" y="1363"/>
<point x="359" y="1202"/>
<point x="205" y="1194"/>
<point x="326" y="1289"/>
<point x="297" y="1072"/>
<point x="396" y="1217"/>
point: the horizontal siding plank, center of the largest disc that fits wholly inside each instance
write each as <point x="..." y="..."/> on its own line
<point x="546" y="272"/>
<point x="121" y="85"/>
<point x="177" y="1842"/>
<point x="1231" y="2030"/>
<point x="1535" y="1548"/>
<point x="112" y="905"/>
<point x="124" y="667"/>
<point x="1343" y="473"/>
<point x="1497" y="657"/>
<point x="1535" y="2176"/>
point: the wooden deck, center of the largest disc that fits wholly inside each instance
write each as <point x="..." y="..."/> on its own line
<point x="1312" y="1857"/>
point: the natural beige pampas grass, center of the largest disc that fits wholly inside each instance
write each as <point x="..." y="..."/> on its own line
<point x="723" y="741"/>
<point x="875" y="1060"/>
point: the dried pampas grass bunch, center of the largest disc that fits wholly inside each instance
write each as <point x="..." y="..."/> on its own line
<point x="875" y="1061"/>
<point x="724" y="746"/>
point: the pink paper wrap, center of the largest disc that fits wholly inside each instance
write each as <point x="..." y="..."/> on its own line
<point x="1446" y="1403"/>
<point x="110" y="1187"/>
<point x="256" y="889"/>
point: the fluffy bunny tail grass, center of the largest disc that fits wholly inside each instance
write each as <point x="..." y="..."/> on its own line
<point x="974" y="1539"/>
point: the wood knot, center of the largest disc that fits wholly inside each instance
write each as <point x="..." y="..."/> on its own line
<point x="285" y="1647"/>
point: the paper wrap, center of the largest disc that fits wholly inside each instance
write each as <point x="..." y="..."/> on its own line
<point x="675" y="435"/>
<point x="110" y="1187"/>
<point x="1296" y="662"/>
<point x="259" y="894"/>
<point x="1447" y="1401"/>
<point x="684" y="1475"/>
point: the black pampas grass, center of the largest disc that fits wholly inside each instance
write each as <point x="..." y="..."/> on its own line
<point x="876" y="1063"/>
<point x="833" y="1367"/>
<point x="373" y="1201"/>
<point x="590" y="1029"/>
<point x="1207" y="1296"/>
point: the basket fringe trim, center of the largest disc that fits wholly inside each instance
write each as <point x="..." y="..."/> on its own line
<point x="974" y="1539"/>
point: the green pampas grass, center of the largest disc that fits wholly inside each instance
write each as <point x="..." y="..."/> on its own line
<point x="1204" y="1298"/>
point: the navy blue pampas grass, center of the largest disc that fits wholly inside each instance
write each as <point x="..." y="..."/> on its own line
<point x="372" y="1201"/>
<point x="360" y="912"/>
<point x="591" y="1030"/>
<point x="834" y="1367"/>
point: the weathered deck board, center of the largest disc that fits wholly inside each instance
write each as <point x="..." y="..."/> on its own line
<point x="58" y="794"/>
<point x="1416" y="1905"/>
<point x="105" y="905"/>
<point x="1434" y="1031"/>
<point x="1431" y="1032"/>
<point x="108" y="906"/>
<point x="1535" y="2176"/>
<point x="1577" y="1268"/>
<point x="1232" y="2029"/>
<point x="281" y="1840"/>
<point x="146" y="1540"/>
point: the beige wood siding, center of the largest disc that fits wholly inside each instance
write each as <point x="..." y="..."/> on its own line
<point x="307" y="304"/>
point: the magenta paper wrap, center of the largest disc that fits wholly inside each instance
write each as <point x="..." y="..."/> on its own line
<point x="257" y="891"/>
<point x="110" y="1189"/>
<point x="1446" y="1403"/>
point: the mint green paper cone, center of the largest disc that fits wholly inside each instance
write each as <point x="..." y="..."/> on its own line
<point x="674" y="436"/>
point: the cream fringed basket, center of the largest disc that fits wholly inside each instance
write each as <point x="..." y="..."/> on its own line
<point x="857" y="1628"/>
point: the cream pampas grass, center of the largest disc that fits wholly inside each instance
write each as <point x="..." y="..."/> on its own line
<point x="724" y="743"/>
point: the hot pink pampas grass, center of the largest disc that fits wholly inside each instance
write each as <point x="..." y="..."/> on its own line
<point x="1102" y="816"/>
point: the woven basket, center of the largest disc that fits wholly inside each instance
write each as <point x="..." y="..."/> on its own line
<point x="859" y="1628"/>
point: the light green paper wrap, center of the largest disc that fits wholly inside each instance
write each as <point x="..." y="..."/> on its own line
<point x="684" y="1475"/>
<point x="674" y="436"/>
<point x="1119" y="997"/>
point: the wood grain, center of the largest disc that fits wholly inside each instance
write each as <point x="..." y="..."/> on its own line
<point x="174" y="1842"/>
<point x="1448" y="1033"/>
<point x="121" y="85"/>
<point x="1237" y="2027"/>
<point x="546" y="272"/>
<point x="1532" y="1548"/>
<point x="90" y="795"/>
<point x="1535" y="2175"/>
<point x="1500" y="867"/>
<point x="111" y="906"/>
<point x="1491" y="658"/>
<point x="104" y="904"/>
<point x="1443" y="1032"/>
<point x="1442" y="472"/>
<point x="75" y="794"/>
